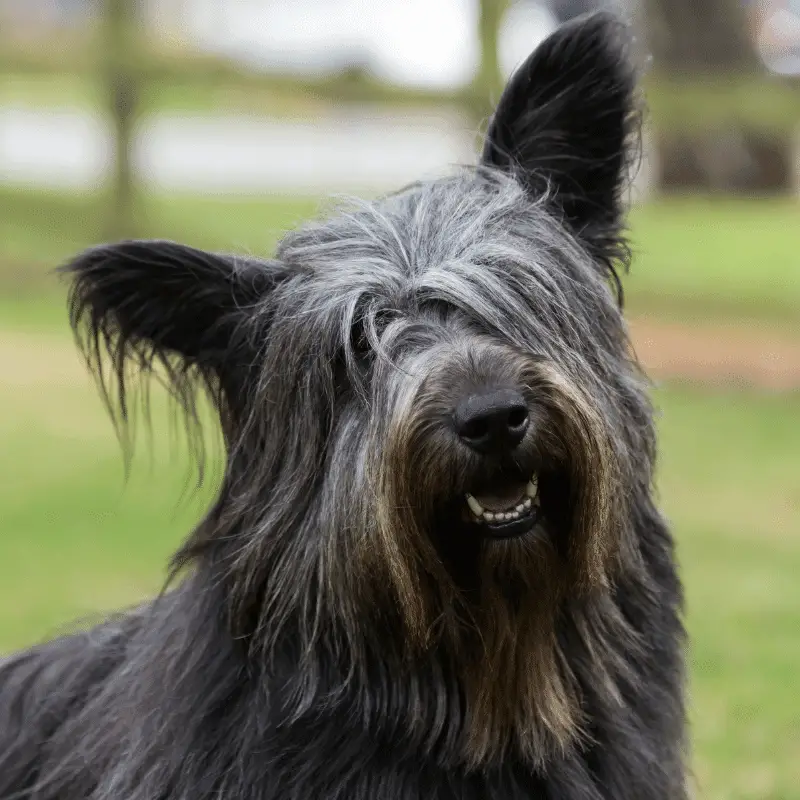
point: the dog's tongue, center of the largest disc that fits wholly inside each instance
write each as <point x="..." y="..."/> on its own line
<point x="501" y="499"/>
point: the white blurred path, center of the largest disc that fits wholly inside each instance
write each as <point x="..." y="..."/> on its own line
<point x="357" y="151"/>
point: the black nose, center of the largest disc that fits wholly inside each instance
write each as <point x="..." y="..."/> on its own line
<point x="492" y="421"/>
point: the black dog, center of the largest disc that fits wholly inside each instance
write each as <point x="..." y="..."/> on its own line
<point x="434" y="568"/>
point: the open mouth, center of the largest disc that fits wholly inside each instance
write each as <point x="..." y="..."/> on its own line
<point x="508" y="512"/>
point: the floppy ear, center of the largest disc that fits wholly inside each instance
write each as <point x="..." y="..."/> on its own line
<point x="563" y="124"/>
<point x="142" y="304"/>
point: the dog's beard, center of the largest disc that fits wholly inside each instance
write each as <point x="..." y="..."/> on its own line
<point x="490" y="606"/>
<point x="521" y="696"/>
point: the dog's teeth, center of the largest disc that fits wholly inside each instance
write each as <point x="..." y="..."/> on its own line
<point x="530" y="500"/>
<point x="474" y="505"/>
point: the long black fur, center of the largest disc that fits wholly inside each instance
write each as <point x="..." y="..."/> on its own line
<point x="333" y="632"/>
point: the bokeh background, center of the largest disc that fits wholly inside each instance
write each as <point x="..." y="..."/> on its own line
<point x="222" y="123"/>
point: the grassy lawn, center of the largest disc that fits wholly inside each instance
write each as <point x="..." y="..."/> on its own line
<point x="76" y="541"/>
<point x="47" y="91"/>
<point x="40" y="229"/>
<point x="728" y="481"/>
<point x="693" y="257"/>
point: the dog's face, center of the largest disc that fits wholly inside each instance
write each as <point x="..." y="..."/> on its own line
<point x="453" y="327"/>
<point x="428" y="402"/>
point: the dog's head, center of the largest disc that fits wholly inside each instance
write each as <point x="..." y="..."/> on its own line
<point x="433" y="422"/>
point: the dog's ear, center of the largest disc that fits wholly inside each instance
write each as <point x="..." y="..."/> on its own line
<point x="564" y="123"/>
<point x="140" y="304"/>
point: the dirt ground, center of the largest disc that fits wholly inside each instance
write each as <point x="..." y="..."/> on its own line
<point x="721" y="354"/>
<point x="732" y="355"/>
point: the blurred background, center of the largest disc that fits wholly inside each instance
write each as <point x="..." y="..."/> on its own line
<point x="222" y="123"/>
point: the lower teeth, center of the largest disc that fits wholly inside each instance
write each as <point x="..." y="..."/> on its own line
<point x="522" y="510"/>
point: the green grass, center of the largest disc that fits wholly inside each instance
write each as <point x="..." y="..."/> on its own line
<point x="694" y="257"/>
<point x="728" y="481"/>
<point x="41" y="228"/>
<point x="76" y="541"/>
<point x="73" y="91"/>
<point x="49" y="91"/>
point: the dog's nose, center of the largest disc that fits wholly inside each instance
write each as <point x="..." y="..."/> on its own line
<point x="492" y="421"/>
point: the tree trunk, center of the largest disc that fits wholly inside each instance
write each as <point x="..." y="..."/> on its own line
<point x="123" y="95"/>
<point x="706" y="49"/>
<point x="488" y="83"/>
<point x="699" y="36"/>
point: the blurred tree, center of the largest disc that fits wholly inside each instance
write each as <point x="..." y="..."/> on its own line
<point x="700" y="36"/>
<point x="564" y="10"/>
<point x="488" y="81"/>
<point x="123" y="95"/>
<point x="718" y="128"/>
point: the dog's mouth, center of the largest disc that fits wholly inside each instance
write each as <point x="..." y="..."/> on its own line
<point x="508" y="511"/>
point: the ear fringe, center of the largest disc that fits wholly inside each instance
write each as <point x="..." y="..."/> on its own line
<point x="124" y="365"/>
<point x="145" y="312"/>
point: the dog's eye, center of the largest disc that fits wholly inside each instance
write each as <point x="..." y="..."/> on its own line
<point x="359" y="342"/>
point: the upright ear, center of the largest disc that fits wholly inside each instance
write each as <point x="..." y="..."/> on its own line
<point x="563" y="123"/>
<point x="143" y="303"/>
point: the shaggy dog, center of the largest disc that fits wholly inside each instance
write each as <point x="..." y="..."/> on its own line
<point x="434" y="568"/>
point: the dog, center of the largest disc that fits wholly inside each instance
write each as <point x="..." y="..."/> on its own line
<point x="434" y="568"/>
